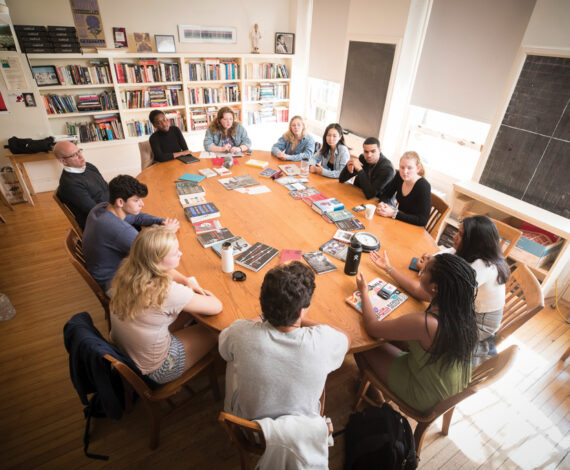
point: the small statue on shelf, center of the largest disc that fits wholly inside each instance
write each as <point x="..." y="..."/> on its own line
<point x="255" y="37"/>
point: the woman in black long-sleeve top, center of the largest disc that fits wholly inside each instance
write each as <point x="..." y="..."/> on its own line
<point x="413" y="193"/>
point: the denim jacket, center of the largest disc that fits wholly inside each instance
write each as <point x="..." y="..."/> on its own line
<point x="240" y="138"/>
<point x="303" y="151"/>
<point x="341" y="156"/>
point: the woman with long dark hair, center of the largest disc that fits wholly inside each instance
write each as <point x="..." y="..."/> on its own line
<point x="225" y="134"/>
<point x="333" y="155"/>
<point x="440" y="340"/>
<point x="477" y="242"/>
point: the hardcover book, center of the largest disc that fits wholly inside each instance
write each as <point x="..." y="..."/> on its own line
<point x="309" y="200"/>
<point x="268" y="172"/>
<point x="256" y="256"/>
<point x="207" y="172"/>
<point x="189" y="188"/>
<point x="207" y="226"/>
<point x="190" y="200"/>
<point x="290" y="169"/>
<point x="277" y="175"/>
<point x="382" y="307"/>
<point x="202" y="212"/>
<point x="349" y="225"/>
<point x="242" y="181"/>
<point x="296" y="186"/>
<point x="256" y="163"/>
<point x="290" y="255"/>
<point x="191" y="177"/>
<point x="335" y="248"/>
<point x="222" y="171"/>
<point x="286" y="180"/>
<point x="239" y="245"/>
<point x="188" y="159"/>
<point x="319" y="262"/>
<point x="303" y="193"/>
<point x="342" y="214"/>
<point x="327" y="205"/>
<point x="343" y="236"/>
<point x="208" y="239"/>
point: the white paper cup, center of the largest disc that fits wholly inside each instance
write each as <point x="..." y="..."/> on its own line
<point x="370" y="209"/>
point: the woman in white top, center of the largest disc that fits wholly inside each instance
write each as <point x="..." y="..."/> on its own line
<point x="151" y="304"/>
<point x="477" y="242"/>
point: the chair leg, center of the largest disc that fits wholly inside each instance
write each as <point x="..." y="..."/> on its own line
<point x="364" y="384"/>
<point x="154" y="414"/>
<point x="213" y="376"/>
<point x="419" y="435"/>
<point x="447" y="421"/>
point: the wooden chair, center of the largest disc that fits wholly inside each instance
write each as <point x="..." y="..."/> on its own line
<point x="75" y="252"/>
<point x="147" y="157"/>
<point x="524" y="299"/>
<point x="437" y="214"/>
<point x="483" y="375"/>
<point x="246" y="435"/>
<point x="509" y="236"/>
<point x="154" y="398"/>
<point x="67" y="212"/>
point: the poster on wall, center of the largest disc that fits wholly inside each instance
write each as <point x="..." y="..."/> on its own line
<point x="88" y="23"/>
<point x="3" y="105"/>
<point x="7" y="42"/>
<point x="192" y="33"/>
<point x="13" y="74"/>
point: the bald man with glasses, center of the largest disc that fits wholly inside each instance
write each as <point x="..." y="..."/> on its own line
<point x="81" y="186"/>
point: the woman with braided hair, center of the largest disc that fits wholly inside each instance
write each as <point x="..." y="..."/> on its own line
<point x="441" y="340"/>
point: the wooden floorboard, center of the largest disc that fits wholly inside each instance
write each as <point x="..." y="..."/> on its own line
<point x="522" y="421"/>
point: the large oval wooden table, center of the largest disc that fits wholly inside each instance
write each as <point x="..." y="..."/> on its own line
<point x="278" y="220"/>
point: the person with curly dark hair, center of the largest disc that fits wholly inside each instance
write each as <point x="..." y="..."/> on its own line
<point x="110" y="227"/>
<point x="279" y="366"/>
<point x="225" y="134"/>
<point x="440" y="341"/>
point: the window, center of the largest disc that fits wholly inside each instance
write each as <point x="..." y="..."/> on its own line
<point x="447" y="143"/>
<point x="323" y="101"/>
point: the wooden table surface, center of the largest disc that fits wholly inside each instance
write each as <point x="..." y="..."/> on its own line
<point x="278" y="220"/>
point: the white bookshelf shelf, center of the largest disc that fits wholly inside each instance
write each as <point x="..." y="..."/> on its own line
<point x="81" y="114"/>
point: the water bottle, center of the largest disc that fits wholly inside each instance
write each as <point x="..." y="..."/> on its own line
<point x="228" y="161"/>
<point x="7" y="310"/>
<point x="353" y="257"/>
<point x="227" y="258"/>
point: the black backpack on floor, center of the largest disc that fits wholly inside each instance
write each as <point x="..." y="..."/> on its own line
<point x="379" y="438"/>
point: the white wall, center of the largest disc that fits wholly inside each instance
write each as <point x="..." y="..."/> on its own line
<point x="549" y="25"/>
<point x="154" y="18"/>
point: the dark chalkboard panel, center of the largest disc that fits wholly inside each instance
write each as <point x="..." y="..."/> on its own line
<point x="530" y="158"/>
<point x="366" y="82"/>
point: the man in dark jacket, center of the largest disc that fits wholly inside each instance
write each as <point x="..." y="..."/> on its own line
<point x="81" y="186"/>
<point x="373" y="170"/>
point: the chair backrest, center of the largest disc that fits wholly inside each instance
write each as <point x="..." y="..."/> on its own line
<point x="485" y="374"/>
<point x="130" y="376"/>
<point x="246" y="435"/>
<point x="67" y="211"/>
<point x="438" y="213"/>
<point x="147" y="157"/>
<point x="74" y="250"/>
<point x="524" y="299"/>
<point x="509" y="236"/>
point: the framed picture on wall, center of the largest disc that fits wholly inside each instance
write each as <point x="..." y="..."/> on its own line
<point x="284" y="43"/>
<point x="195" y="33"/>
<point x="120" y="37"/>
<point x="45" y="75"/>
<point x="142" y="42"/>
<point x="29" y="100"/>
<point x="164" y="43"/>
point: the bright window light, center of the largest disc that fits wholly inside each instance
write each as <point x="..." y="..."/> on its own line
<point x="323" y="100"/>
<point x="447" y="143"/>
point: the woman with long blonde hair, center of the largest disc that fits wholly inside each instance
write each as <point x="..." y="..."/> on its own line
<point x="295" y="144"/>
<point x="412" y="192"/>
<point x="149" y="309"/>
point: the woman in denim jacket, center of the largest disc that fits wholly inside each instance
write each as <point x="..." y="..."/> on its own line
<point x="295" y="144"/>
<point x="225" y="134"/>
<point x="332" y="157"/>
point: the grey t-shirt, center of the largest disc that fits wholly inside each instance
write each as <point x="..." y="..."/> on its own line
<point x="270" y="373"/>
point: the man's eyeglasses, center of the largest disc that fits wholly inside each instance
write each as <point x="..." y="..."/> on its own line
<point x="73" y="155"/>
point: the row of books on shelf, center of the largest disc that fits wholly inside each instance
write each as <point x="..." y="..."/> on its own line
<point x="265" y="71"/>
<point x="226" y="94"/>
<point x="200" y="118"/>
<point x="62" y="104"/>
<point x="139" y="127"/>
<point x="154" y="97"/>
<point x="97" y="73"/>
<point x="213" y="69"/>
<point x="267" y="91"/>
<point x="103" y="128"/>
<point x="147" y="71"/>
<point x="268" y="113"/>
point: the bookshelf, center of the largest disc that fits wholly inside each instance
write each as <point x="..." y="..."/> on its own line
<point x="189" y="88"/>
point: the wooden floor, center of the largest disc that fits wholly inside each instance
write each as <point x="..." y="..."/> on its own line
<point x="521" y="422"/>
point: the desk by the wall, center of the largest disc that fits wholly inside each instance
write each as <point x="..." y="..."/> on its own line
<point x="18" y="163"/>
<point x="275" y="218"/>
